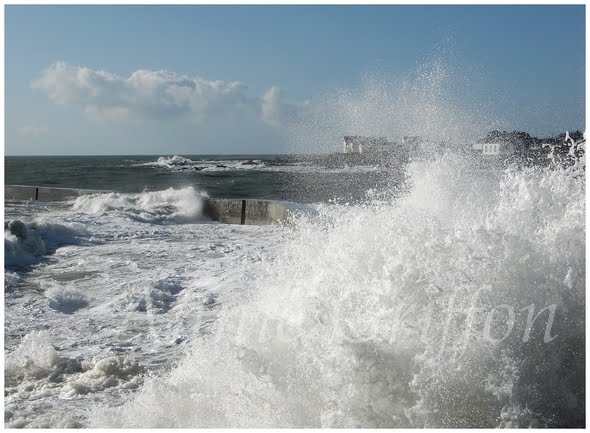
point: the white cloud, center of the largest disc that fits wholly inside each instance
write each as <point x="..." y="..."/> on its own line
<point x="275" y="110"/>
<point x="33" y="131"/>
<point x="270" y="106"/>
<point x="156" y="94"/>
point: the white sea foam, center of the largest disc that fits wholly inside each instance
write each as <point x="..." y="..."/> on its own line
<point x="34" y="349"/>
<point x="180" y="163"/>
<point x="27" y="243"/>
<point x="334" y="331"/>
<point x="159" y="207"/>
<point x="173" y="161"/>
<point x="64" y="298"/>
<point x="35" y="371"/>
<point x="156" y="298"/>
<point x="132" y="291"/>
<point x="11" y="280"/>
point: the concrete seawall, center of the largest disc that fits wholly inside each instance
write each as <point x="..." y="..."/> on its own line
<point x="251" y="212"/>
<point x="228" y="211"/>
<point x="43" y="193"/>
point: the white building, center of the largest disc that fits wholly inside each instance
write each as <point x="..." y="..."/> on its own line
<point x="359" y="144"/>
<point x="493" y="149"/>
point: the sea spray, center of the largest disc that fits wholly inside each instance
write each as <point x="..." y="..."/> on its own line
<point x="455" y="301"/>
<point x="174" y="206"/>
<point x="436" y="102"/>
<point x="460" y="304"/>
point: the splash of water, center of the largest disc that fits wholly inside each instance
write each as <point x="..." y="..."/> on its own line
<point x="435" y="102"/>
<point x="182" y="205"/>
<point x="458" y="304"/>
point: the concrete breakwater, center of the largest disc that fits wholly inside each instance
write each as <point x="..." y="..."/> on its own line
<point x="253" y="212"/>
<point x="228" y="211"/>
<point x="42" y="193"/>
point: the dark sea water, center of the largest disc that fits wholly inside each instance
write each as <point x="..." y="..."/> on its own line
<point x="222" y="176"/>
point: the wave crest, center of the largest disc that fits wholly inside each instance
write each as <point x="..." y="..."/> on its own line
<point x="171" y="206"/>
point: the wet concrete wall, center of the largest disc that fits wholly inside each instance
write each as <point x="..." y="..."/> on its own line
<point x="229" y="211"/>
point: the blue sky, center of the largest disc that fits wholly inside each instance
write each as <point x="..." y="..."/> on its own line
<point x="237" y="79"/>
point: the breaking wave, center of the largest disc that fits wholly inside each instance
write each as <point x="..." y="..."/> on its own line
<point x="172" y="161"/>
<point x="27" y="243"/>
<point x="171" y="206"/>
<point x="180" y="163"/>
<point x="460" y="304"/>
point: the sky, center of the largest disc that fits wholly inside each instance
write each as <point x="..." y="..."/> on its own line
<point x="236" y="79"/>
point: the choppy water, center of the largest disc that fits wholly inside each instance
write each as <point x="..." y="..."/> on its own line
<point x="448" y="294"/>
<point x="252" y="176"/>
<point x="129" y="310"/>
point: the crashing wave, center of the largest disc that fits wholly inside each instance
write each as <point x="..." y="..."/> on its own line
<point x="460" y="304"/>
<point x="26" y="243"/>
<point x="170" y="206"/>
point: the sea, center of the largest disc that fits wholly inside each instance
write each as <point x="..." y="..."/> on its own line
<point x="444" y="293"/>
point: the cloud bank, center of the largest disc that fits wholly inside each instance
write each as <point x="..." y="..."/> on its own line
<point x="148" y="94"/>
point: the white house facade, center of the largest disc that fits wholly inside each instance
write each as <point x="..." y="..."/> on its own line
<point x="493" y="149"/>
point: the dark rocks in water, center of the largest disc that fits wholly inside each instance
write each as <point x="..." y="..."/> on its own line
<point x="180" y="163"/>
<point x="198" y="168"/>
<point x="221" y="166"/>
<point x="250" y="162"/>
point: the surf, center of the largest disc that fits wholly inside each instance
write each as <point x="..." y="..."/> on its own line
<point x="395" y="314"/>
